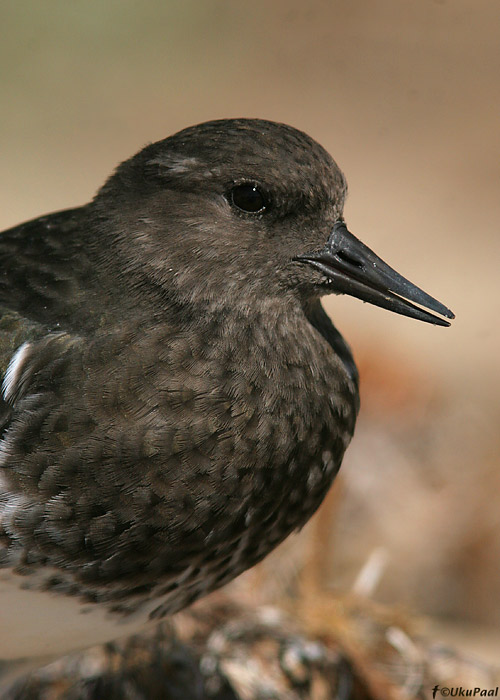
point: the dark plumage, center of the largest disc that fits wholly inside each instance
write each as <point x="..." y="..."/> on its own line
<point x="176" y="401"/>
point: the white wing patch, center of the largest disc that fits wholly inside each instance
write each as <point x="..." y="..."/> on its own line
<point x="10" y="384"/>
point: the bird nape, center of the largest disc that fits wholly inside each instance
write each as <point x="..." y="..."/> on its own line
<point x="175" y="400"/>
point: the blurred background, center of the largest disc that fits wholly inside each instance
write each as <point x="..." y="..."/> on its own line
<point x="406" y="97"/>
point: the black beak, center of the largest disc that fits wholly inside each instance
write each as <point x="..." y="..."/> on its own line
<point x="350" y="267"/>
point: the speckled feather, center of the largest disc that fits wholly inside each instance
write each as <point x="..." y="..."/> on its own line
<point x="183" y="403"/>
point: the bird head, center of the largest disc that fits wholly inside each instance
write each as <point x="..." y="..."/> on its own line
<point x="246" y="209"/>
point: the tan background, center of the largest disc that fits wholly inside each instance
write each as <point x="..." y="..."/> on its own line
<point x="406" y="97"/>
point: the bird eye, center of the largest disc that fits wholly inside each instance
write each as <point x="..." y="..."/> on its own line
<point x="249" y="198"/>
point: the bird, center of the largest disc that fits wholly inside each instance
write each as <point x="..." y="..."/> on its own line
<point x="175" y="400"/>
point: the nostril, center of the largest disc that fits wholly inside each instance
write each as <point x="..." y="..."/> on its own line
<point x="345" y="257"/>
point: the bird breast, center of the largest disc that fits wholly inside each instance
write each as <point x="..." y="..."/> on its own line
<point x="192" y="452"/>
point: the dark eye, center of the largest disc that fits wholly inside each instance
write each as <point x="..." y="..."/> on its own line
<point x="249" y="198"/>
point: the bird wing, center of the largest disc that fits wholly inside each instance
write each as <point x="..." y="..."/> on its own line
<point x="41" y="273"/>
<point x="44" y="270"/>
